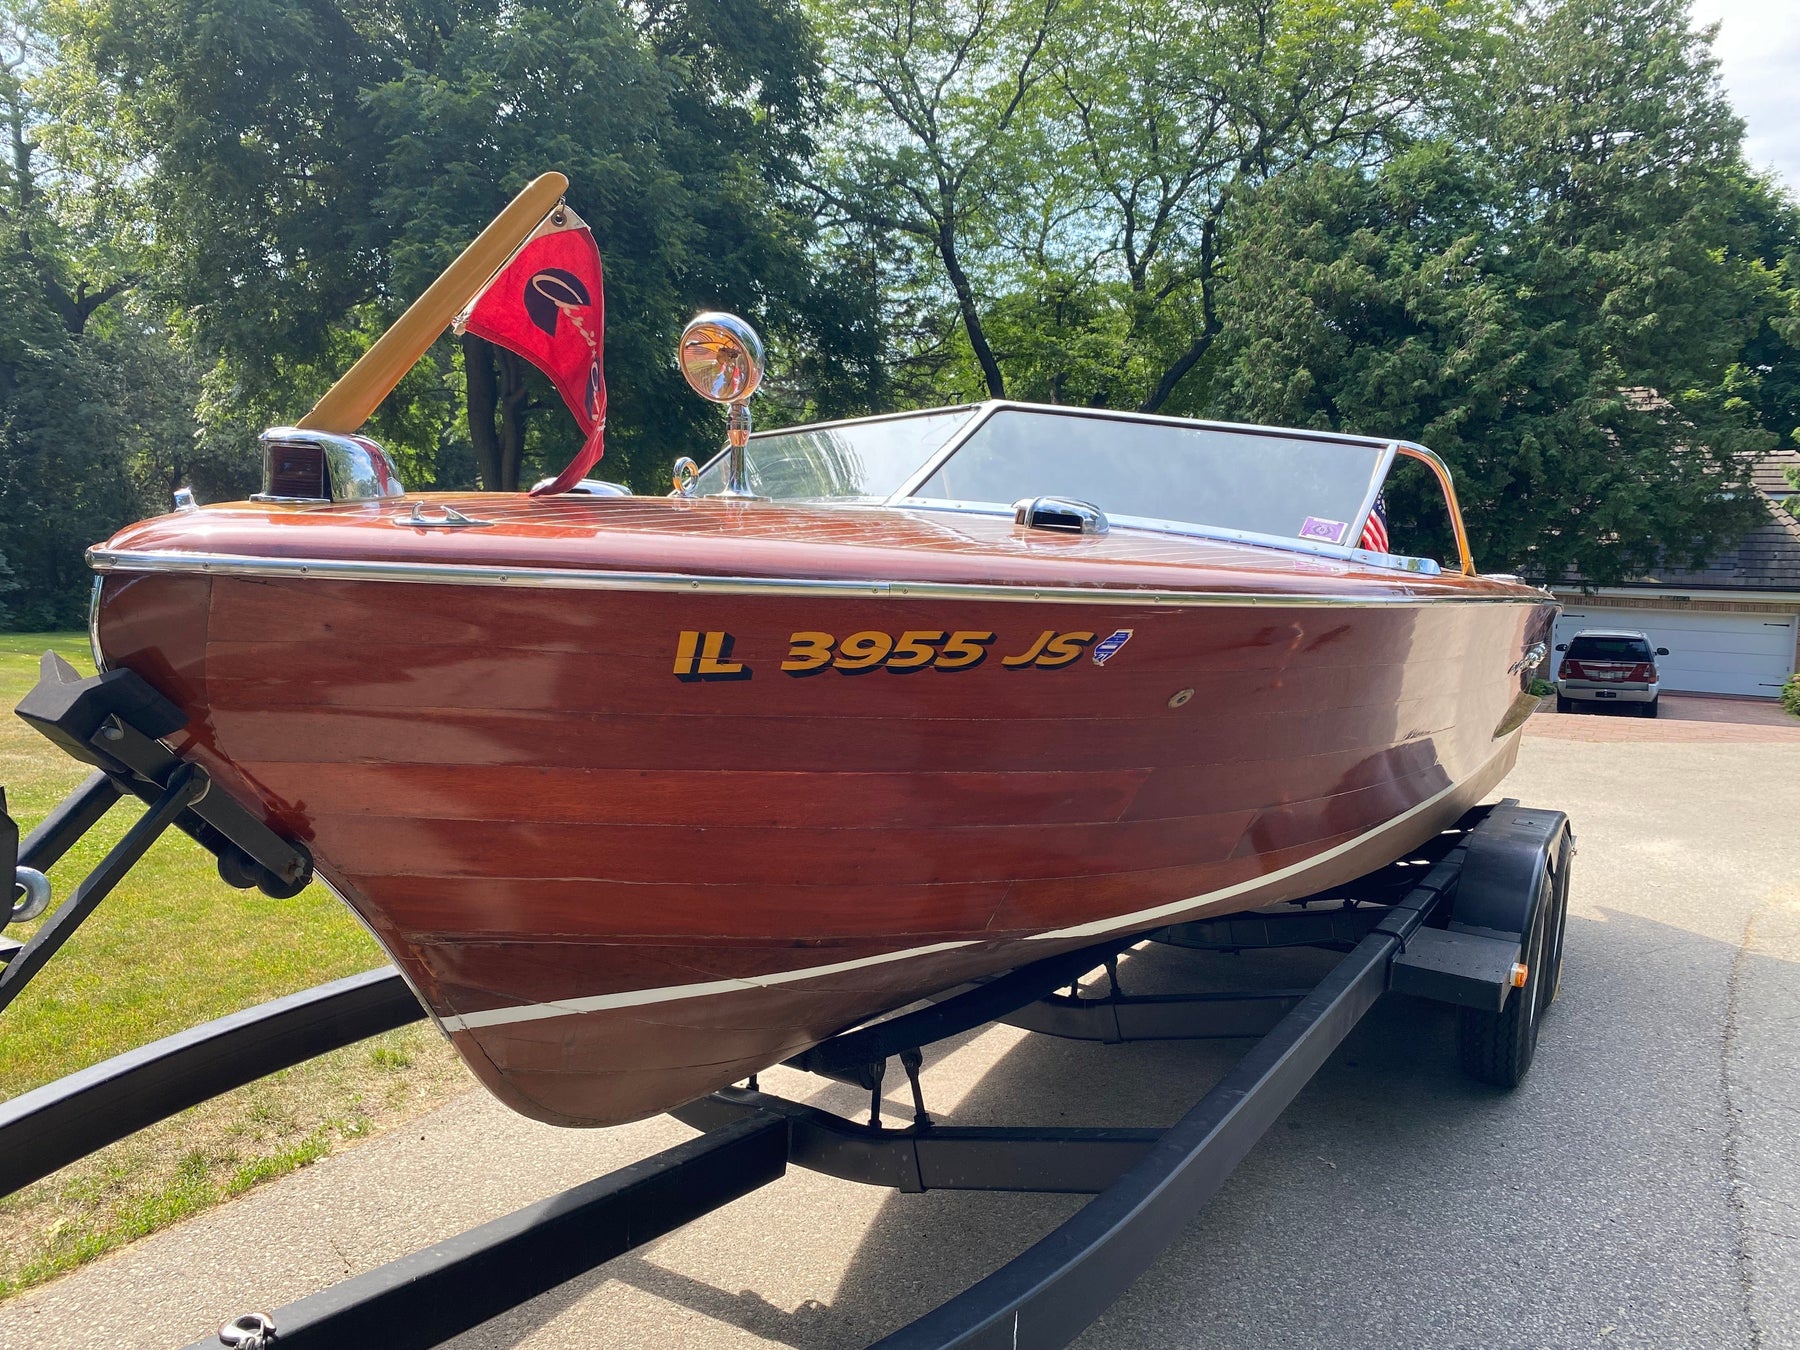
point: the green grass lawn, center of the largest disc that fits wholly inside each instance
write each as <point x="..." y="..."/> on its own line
<point x="173" y="946"/>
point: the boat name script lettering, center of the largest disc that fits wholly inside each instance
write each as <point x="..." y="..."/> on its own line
<point x="709" y="655"/>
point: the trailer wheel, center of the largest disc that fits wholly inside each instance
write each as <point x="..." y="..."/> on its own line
<point x="1497" y="1047"/>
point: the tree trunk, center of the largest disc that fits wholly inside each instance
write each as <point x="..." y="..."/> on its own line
<point x="1210" y="327"/>
<point x="971" y="316"/>
<point x="514" y="394"/>
<point x="1172" y="376"/>
<point x="483" y="398"/>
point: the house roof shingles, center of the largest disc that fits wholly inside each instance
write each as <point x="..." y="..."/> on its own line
<point x="1768" y="557"/>
<point x="1771" y="473"/>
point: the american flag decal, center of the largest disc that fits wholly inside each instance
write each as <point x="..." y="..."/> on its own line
<point x="1374" y="534"/>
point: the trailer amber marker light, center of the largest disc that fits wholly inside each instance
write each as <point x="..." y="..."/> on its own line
<point x="1519" y="975"/>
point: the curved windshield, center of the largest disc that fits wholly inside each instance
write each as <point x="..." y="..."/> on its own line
<point x="852" y="459"/>
<point x="1281" y="484"/>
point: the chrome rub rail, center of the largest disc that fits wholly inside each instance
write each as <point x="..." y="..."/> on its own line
<point x="557" y="578"/>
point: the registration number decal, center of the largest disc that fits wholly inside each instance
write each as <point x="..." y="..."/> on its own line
<point x="711" y="655"/>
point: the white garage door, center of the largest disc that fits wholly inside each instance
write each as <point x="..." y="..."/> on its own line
<point x="1708" y="653"/>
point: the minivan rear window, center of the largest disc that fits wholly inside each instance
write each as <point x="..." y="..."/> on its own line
<point x="1609" y="649"/>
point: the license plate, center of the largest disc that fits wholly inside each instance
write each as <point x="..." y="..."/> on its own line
<point x="1606" y="693"/>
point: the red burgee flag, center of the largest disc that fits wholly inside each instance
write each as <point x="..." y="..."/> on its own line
<point x="546" y="304"/>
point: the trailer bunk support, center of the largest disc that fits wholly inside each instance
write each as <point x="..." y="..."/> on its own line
<point x="1046" y="1296"/>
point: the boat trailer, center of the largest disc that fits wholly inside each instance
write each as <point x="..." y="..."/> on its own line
<point x="1474" y="919"/>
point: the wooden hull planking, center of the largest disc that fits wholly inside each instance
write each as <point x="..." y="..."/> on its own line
<point x="618" y="888"/>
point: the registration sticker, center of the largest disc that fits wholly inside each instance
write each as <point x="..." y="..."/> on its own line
<point x="1330" y="531"/>
<point x="1110" y="645"/>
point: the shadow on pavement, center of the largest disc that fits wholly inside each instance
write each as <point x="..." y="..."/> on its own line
<point x="1394" y="1203"/>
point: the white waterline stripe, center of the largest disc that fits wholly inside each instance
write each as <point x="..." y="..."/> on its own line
<point x="632" y="998"/>
<point x="531" y="1012"/>
<point x="561" y="578"/>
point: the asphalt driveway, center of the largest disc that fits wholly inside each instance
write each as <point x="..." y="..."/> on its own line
<point x="1641" y="1189"/>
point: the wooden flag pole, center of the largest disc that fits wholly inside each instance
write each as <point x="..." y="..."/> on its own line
<point x="348" y="403"/>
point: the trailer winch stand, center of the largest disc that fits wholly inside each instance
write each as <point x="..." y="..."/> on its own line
<point x="1474" y="919"/>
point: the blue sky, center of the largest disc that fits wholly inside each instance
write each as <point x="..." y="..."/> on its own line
<point x="1759" y="55"/>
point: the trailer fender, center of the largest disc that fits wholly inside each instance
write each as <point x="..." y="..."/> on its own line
<point x="1513" y="882"/>
<point x="1510" y="853"/>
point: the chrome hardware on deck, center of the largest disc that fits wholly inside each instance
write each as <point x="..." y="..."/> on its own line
<point x="686" y="474"/>
<point x="1063" y="514"/>
<point x="452" y="519"/>
<point x="185" y="501"/>
<point x="586" y="487"/>
<point x="312" y="468"/>
<point x="721" y="358"/>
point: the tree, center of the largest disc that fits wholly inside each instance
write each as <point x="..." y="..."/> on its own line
<point x="1560" y="305"/>
<point x="1070" y="164"/>
<point x="91" y="387"/>
<point x="316" y="164"/>
<point x="938" y="101"/>
<point x="69" y="216"/>
<point x="1770" y="377"/>
<point x="63" y="480"/>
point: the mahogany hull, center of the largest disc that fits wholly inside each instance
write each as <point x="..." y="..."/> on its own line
<point x="622" y="872"/>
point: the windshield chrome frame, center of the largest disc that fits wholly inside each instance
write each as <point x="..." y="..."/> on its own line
<point x="1383" y="465"/>
<point x="984" y="411"/>
<point x="1433" y="461"/>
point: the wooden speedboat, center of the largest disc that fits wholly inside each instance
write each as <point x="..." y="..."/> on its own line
<point x="644" y="794"/>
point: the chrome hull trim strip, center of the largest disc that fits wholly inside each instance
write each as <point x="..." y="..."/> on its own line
<point x="460" y="574"/>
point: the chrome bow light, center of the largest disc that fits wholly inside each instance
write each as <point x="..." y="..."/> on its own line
<point x="721" y="358"/>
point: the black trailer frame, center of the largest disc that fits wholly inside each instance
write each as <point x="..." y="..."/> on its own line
<point x="1474" y="919"/>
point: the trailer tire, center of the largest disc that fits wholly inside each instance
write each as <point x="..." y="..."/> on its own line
<point x="1497" y="1047"/>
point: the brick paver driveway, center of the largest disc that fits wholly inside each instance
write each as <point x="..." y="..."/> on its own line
<point x="1680" y="717"/>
